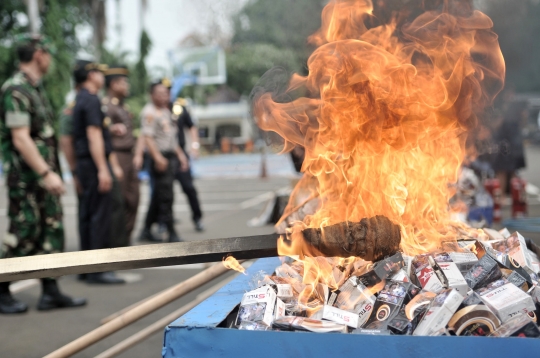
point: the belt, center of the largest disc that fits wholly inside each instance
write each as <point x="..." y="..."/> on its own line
<point x="168" y="154"/>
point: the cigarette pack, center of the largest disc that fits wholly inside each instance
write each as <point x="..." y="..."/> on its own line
<point x="292" y="323"/>
<point x="506" y="300"/>
<point x="486" y="270"/>
<point x="464" y="260"/>
<point x="334" y="314"/>
<point x="389" y="302"/>
<point x="519" y="326"/>
<point x="473" y="318"/>
<point x="439" y="313"/>
<point x="354" y="297"/>
<point x="515" y="246"/>
<point x="280" y="310"/>
<point x="425" y="276"/>
<point x="452" y="273"/>
<point x="402" y="325"/>
<point x="505" y="233"/>
<point x="257" y="306"/>
<point x="389" y="266"/>
<point x="518" y="280"/>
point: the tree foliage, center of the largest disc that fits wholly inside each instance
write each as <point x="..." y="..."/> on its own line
<point x="516" y="23"/>
<point x="268" y="34"/>
<point x="59" y="19"/>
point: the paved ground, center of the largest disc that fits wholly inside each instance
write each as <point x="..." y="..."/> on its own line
<point x="228" y="203"/>
<point x="230" y="193"/>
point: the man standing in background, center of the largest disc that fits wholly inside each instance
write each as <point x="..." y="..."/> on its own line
<point x="160" y="135"/>
<point x="93" y="149"/>
<point x="184" y="120"/>
<point x="123" y="143"/>
<point x="30" y="153"/>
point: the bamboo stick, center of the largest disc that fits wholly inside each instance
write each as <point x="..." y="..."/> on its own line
<point x="138" y="312"/>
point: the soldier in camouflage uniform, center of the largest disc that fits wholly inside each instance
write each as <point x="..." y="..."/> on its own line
<point x="29" y="150"/>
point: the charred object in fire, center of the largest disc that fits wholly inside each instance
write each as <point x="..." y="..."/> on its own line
<point x="371" y="238"/>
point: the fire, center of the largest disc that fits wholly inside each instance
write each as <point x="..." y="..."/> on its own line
<point x="232" y="264"/>
<point x="386" y="109"/>
<point x="383" y="115"/>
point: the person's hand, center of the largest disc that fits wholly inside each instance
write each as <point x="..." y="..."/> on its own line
<point x="184" y="163"/>
<point x="194" y="152"/>
<point x="118" y="172"/>
<point x="104" y="181"/>
<point x="118" y="129"/>
<point x="138" y="162"/>
<point x="54" y="184"/>
<point x="161" y="163"/>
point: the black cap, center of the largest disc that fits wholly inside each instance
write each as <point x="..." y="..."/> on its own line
<point x="83" y="68"/>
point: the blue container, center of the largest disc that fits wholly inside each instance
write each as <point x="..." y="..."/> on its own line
<point x="198" y="334"/>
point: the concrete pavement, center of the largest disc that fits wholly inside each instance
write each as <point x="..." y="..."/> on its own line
<point x="229" y="200"/>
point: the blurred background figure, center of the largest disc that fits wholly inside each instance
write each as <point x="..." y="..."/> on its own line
<point x="508" y="155"/>
<point x="30" y="151"/>
<point x="124" y="146"/>
<point x="185" y="178"/>
<point x="93" y="149"/>
<point x="160" y="136"/>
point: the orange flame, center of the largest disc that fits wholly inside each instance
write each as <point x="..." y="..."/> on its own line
<point x="385" y="116"/>
<point x="232" y="264"/>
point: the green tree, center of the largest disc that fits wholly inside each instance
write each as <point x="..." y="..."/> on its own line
<point x="268" y="34"/>
<point x="59" y="19"/>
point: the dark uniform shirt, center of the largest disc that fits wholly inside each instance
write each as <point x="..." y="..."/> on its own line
<point x="87" y="112"/>
<point x="184" y="120"/>
<point x="118" y="112"/>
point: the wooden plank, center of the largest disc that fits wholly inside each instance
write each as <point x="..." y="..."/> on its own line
<point x="134" y="257"/>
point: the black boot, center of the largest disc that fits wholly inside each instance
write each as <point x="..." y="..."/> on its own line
<point x="104" y="278"/>
<point x="52" y="297"/>
<point x="146" y="235"/>
<point x="9" y="305"/>
<point x="173" y="236"/>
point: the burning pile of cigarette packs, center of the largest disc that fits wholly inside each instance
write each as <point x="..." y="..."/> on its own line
<point x="472" y="287"/>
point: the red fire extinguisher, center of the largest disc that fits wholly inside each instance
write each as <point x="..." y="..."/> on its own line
<point x="519" y="197"/>
<point x="493" y="187"/>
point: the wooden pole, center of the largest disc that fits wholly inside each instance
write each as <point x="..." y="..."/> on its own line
<point x="128" y="308"/>
<point x="159" y="325"/>
<point x="140" y="311"/>
<point x="134" y="257"/>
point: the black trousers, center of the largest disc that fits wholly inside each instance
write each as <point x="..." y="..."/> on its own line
<point x="94" y="210"/>
<point x="186" y="182"/>
<point x="161" y="202"/>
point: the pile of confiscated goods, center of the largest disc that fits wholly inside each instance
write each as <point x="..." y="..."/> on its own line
<point x="485" y="286"/>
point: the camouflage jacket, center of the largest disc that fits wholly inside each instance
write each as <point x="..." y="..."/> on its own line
<point x="23" y="104"/>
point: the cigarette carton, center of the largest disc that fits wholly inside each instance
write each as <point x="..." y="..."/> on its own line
<point x="464" y="260"/>
<point x="473" y="318"/>
<point x="425" y="276"/>
<point x="334" y="314"/>
<point x="486" y="270"/>
<point x="505" y="299"/>
<point x="257" y="306"/>
<point x="441" y="311"/>
<point x="354" y="297"/>
<point x="452" y="273"/>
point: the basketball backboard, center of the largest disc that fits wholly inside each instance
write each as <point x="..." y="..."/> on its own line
<point x="199" y="65"/>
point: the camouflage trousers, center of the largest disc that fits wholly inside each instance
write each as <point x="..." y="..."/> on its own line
<point x="35" y="222"/>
